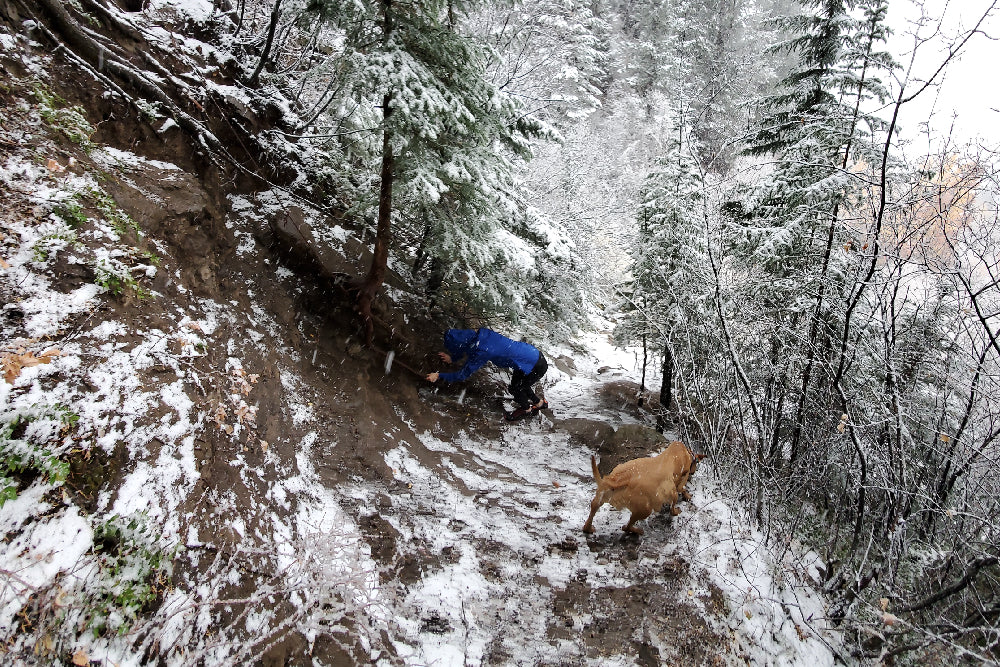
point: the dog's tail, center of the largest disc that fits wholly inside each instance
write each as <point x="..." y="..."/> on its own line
<point x="597" y="473"/>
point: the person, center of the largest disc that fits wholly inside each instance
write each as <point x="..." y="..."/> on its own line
<point x="482" y="345"/>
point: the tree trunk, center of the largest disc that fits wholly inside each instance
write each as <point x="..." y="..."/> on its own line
<point x="268" y="43"/>
<point x="421" y="256"/>
<point x="645" y="361"/>
<point x="380" y="254"/>
<point x="666" y="388"/>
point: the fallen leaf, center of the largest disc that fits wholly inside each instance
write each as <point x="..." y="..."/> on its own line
<point x="12" y="363"/>
<point x="245" y="412"/>
<point x="945" y="438"/>
<point x="4" y="264"/>
<point x="889" y="619"/>
<point x="263" y="445"/>
<point x="54" y="166"/>
<point x="556" y="484"/>
<point x="81" y="658"/>
<point x="884" y="602"/>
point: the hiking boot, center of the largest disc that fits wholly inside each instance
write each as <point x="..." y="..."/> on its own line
<point x="539" y="408"/>
<point x="519" y="413"/>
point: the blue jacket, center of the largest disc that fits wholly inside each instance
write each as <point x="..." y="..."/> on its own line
<point x="482" y="345"/>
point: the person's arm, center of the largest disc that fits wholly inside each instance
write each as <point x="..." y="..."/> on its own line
<point x="472" y="364"/>
<point x="446" y="358"/>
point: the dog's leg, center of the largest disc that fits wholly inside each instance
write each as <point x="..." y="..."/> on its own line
<point x="638" y="514"/>
<point x="595" y="505"/>
<point x="630" y="527"/>
<point x="671" y="502"/>
<point x="682" y="484"/>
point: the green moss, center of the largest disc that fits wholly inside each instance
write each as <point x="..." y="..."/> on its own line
<point x="120" y="221"/>
<point x="134" y="571"/>
<point x="70" y="121"/>
<point x="19" y="455"/>
<point x="40" y="251"/>
<point x="116" y="278"/>
<point x="71" y="212"/>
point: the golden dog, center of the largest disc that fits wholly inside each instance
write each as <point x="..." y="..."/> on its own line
<point x="684" y="462"/>
<point x="645" y="485"/>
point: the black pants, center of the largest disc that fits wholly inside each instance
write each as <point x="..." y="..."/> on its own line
<point x="521" y="383"/>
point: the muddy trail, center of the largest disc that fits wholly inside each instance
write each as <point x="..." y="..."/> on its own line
<point x="229" y="388"/>
<point x="486" y="557"/>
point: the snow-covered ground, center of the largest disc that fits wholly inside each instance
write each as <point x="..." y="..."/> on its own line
<point x="507" y="517"/>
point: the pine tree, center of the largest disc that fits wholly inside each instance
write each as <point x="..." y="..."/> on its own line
<point x="817" y="130"/>
<point x="667" y="298"/>
<point x="552" y="54"/>
<point x="448" y="134"/>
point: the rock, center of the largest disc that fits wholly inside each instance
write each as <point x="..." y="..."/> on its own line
<point x="630" y="441"/>
<point x="638" y="434"/>
<point x="336" y="256"/>
<point x="565" y="364"/>
<point x="588" y="431"/>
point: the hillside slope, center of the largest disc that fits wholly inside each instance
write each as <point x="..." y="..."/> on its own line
<point x="206" y="466"/>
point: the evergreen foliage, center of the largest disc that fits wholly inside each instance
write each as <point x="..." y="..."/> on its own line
<point x="666" y="297"/>
<point x="816" y="335"/>
<point x="454" y="136"/>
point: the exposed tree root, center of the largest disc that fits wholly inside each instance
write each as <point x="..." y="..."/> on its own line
<point x="84" y="48"/>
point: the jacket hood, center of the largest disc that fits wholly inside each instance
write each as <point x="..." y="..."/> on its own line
<point x="459" y="341"/>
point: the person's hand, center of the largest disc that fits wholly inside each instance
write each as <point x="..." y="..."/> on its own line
<point x="433" y="377"/>
<point x="445" y="357"/>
